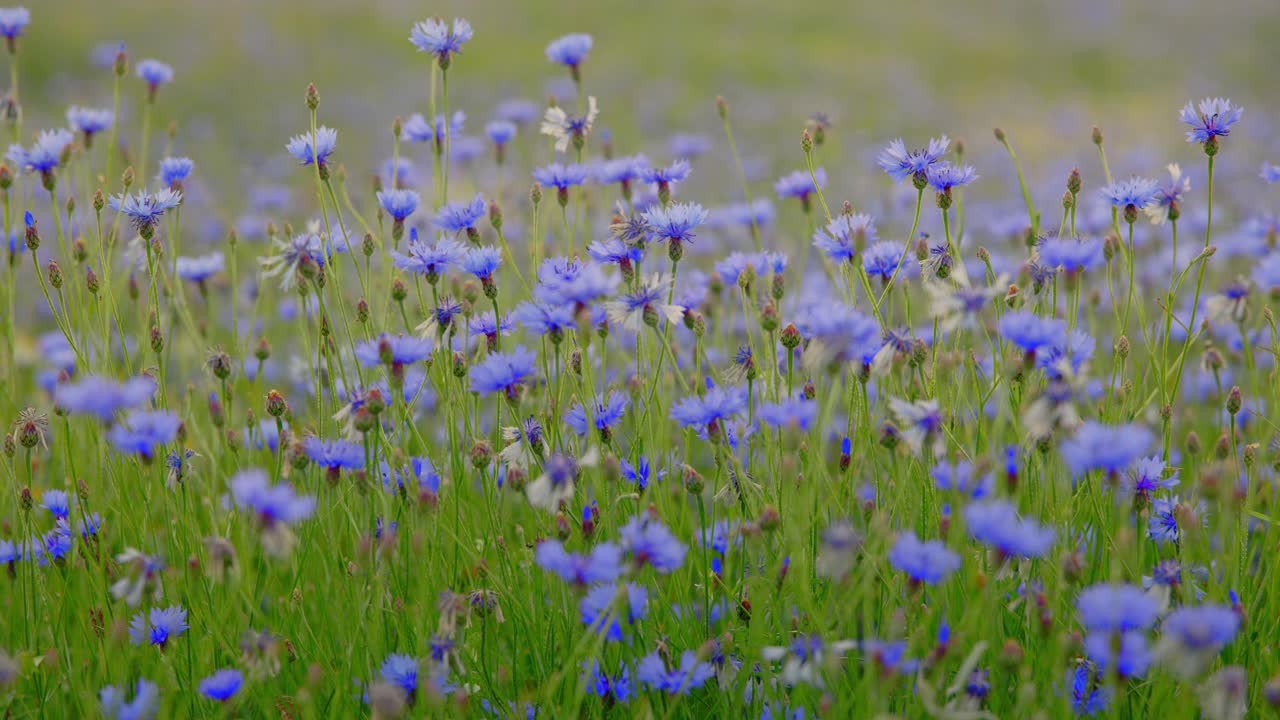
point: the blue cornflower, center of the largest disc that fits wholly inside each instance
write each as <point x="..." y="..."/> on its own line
<point x="155" y="73"/>
<point x="429" y="260"/>
<point x="675" y="223"/>
<point x="927" y="561"/>
<point x="222" y="685"/>
<point x="500" y="132"/>
<point x="791" y="413"/>
<point x="649" y="542"/>
<point x="1200" y="627"/>
<point x="1163" y="524"/>
<point x="1168" y="198"/>
<point x="614" y="250"/>
<point x="621" y="170"/>
<point x="144" y="705"/>
<point x="486" y="325"/>
<point x="605" y="413"/>
<point x="459" y="216"/>
<point x="201" y="267"/>
<point x="13" y="23"/>
<point x="402" y="671"/>
<point x="758" y="212"/>
<point x="711" y="409"/>
<point x="570" y="49"/>
<point x="1031" y="332"/>
<point x="1116" y="608"/>
<point x="1147" y="475"/>
<point x="518" y="111"/>
<point x="690" y="675"/>
<point x="1214" y="119"/>
<point x="1072" y="255"/>
<point x="640" y="473"/>
<point x="799" y="184"/>
<point x="565" y="281"/>
<point x="299" y="146"/>
<point x="963" y="477"/>
<point x="901" y="164"/>
<point x="393" y="350"/>
<point x="57" y="544"/>
<point x="505" y="372"/>
<point x="543" y="318"/>
<point x="686" y="145"/>
<point x="1069" y="354"/>
<point x="57" y="502"/>
<point x="996" y="523"/>
<point x="944" y="176"/>
<point x="612" y="689"/>
<point x="159" y="626"/>
<point x="675" y="172"/>
<point x="881" y="260"/>
<point x="1267" y="272"/>
<point x="174" y="170"/>
<point x="44" y="154"/>
<point x="845" y="235"/>
<point x="399" y="204"/>
<point x="736" y="263"/>
<point x="1270" y="173"/>
<point x="482" y="261"/>
<point x="273" y="504"/>
<point x="335" y="455"/>
<point x="145" y="209"/>
<point x="561" y="177"/>
<point x="601" y="612"/>
<point x="436" y="37"/>
<point x="418" y="129"/>
<point x="1089" y="695"/>
<point x="1138" y="192"/>
<point x="602" y="564"/>
<point x="143" y="430"/>
<point x="1132" y="659"/>
<point x="1110" y="448"/>
<point x="103" y="397"/>
<point x="89" y="121"/>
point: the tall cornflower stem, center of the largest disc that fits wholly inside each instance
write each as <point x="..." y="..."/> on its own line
<point x="497" y="322"/>
<point x="1106" y="171"/>
<point x="444" y="100"/>
<point x="915" y="224"/>
<point x="342" y="227"/>
<point x="1195" y="305"/>
<point x="807" y="145"/>
<point x="104" y="257"/>
<point x="502" y="240"/>
<point x="1032" y="215"/>
<point x="1131" y="257"/>
<point x="564" y="223"/>
<point x="147" y="110"/>
<point x="742" y="173"/>
<point x="436" y="143"/>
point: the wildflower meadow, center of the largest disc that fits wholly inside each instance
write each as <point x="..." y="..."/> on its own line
<point x="489" y="411"/>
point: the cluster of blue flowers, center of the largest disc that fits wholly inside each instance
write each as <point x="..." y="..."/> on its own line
<point x="578" y="444"/>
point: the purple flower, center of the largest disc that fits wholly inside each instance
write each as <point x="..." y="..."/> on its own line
<point x="326" y="142"/>
<point x="399" y="204"/>
<point x="158" y="627"/>
<point x="690" y="675"/>
<point x="715" y="407"/>
<point x="506" y="372"/>
<point x="602" y="564"/>
<point x="457" y="216"/>
<point x="1214" y="119"/>
<point x="570" y="50"/>
<point x="436" y="37"/>
<point x="143" y="430"/>
<point x="944" y="176"/>
<point x="649" y="542"/>
<point x="1110" y="448"/>
<point x="605" y="412"/>
<point x="222" y="685"/>
<point x="799" y="184"/>
<point x="44" y="154"/>
<point x="927" y="561"/>
<point x="996" y="523"/>
<point x="1115" y="608"/>
<point x="901" y="164"/>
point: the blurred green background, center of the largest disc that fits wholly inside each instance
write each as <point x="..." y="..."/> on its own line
<point x="1046" y="71"/>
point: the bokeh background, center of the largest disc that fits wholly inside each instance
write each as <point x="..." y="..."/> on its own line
<point x="1045" y="71"/>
